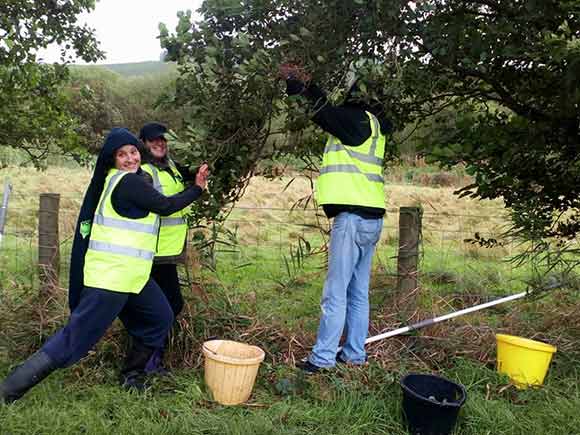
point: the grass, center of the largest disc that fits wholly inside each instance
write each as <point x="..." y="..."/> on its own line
<point x="263" y="293"/>
<point x="349" y="401"/>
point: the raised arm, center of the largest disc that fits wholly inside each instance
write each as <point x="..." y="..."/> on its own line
<point x="134" y="190"/>
<point x="349" y="124"/>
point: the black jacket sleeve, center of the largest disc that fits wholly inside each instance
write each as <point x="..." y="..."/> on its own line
<point x="349" y="124"/>
<point x="134" y="197"/>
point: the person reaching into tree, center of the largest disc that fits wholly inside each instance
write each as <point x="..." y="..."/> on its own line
<point x="350" y="190"/>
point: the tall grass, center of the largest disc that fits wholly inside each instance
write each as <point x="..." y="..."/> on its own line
<point x="262" y="293"/>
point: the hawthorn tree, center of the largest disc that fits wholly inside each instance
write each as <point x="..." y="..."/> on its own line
<point x="33" y="110"/>
<point x="507" y="68"/>
<point x="228" y="64"/>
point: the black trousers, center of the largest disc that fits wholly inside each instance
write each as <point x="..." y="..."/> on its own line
<point x="147" y="317"/>
<point x="166" y="276"/>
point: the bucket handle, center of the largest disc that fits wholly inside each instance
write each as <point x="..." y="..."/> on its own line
<point x="207" y="348"/>
<point x="463" y="395"/>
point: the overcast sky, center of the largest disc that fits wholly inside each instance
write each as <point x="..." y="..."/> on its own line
<point x="127" y="29"/>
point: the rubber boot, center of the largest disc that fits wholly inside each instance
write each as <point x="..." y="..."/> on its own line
<point x="25" y="376"/>
<point x="134" y="373"/>
<point x="155" y="365"/>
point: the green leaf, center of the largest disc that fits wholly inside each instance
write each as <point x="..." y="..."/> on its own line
<point x="163" y="32"/>
<point x="212" y="51"/>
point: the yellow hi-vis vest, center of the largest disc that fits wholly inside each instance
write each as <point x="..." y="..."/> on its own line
<point x="121" y="250"/>
<point x="353" y="175"/>
<point x="173" y="229"/>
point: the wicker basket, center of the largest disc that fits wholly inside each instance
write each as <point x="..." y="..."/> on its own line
<point x="231" y="369"/>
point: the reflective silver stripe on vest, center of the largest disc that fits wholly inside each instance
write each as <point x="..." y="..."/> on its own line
<point x="166" y="222"/>
<point x="375" y="178"/>
<point x="156" y="183"/>
<point x="366" y="158"/>
<point x="352" y="169"/>
<point x="111" y="248"/>
<point x="101" y="219"/>
<point x="376" y="128"/>
<point x="176" y="174"/>
<point x="108" y="191"/>
<point x="127" y="225"/>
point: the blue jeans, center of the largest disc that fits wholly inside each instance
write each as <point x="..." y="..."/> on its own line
<point x="345" y="298"/>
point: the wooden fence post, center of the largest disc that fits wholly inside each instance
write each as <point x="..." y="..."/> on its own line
<point x="410" y="221"/>
<point x="48" y="241"/>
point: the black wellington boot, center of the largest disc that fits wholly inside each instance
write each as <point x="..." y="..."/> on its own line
<point x="25" y="376"/>
<point x="133" y="374"/>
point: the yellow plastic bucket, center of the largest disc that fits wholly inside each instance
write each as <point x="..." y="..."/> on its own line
<point x="525" y="361"/>
<point x="231" y="369"/>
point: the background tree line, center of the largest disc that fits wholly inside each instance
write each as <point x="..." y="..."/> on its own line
<point x="101" y="98"/>
<point x="49" y="109"/>
<point x="489" y="84"/>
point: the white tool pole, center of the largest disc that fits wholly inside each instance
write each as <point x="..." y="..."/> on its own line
<point x="445" y="317"/>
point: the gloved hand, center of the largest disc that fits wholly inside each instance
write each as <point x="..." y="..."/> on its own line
<point x="289" y="71"/>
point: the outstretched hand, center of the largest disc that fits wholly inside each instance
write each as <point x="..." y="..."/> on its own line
<point x="201" y="176"/>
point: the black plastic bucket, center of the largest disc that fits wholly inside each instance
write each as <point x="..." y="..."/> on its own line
<point x="431" y="403"/>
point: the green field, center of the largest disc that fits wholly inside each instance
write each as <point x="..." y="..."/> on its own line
<point x="262" y="292"/>
<point x="135" y="69"/>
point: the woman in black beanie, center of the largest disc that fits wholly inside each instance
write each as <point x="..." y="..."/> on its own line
<point x="113" y="250"/>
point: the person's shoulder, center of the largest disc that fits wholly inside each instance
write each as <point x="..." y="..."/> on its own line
<point x="135" y="178"/>
<point x="356" y="114"/>
<point x="133" y="175"/>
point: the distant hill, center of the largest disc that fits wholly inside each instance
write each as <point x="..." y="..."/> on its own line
<point x="137" y="68"/>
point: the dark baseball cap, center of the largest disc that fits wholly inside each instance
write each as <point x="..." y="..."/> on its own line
<point x="151" y="131"/>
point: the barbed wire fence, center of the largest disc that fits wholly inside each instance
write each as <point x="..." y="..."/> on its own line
<point x="276" y="246"/>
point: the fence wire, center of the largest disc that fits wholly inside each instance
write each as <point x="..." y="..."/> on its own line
<point x="276" y="245"/>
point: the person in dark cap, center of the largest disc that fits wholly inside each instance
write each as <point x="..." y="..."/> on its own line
<point x="169" y="178"/>
<point x="350" y="189"/>
<point x="113" y="250"/>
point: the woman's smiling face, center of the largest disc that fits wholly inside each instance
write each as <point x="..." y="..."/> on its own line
<point x="128" y="158"/>
<point x="157" y="147"/>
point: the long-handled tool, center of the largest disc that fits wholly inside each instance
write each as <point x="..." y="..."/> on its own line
<point x="4" y="208"/>
<point x="427" y="322"/>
